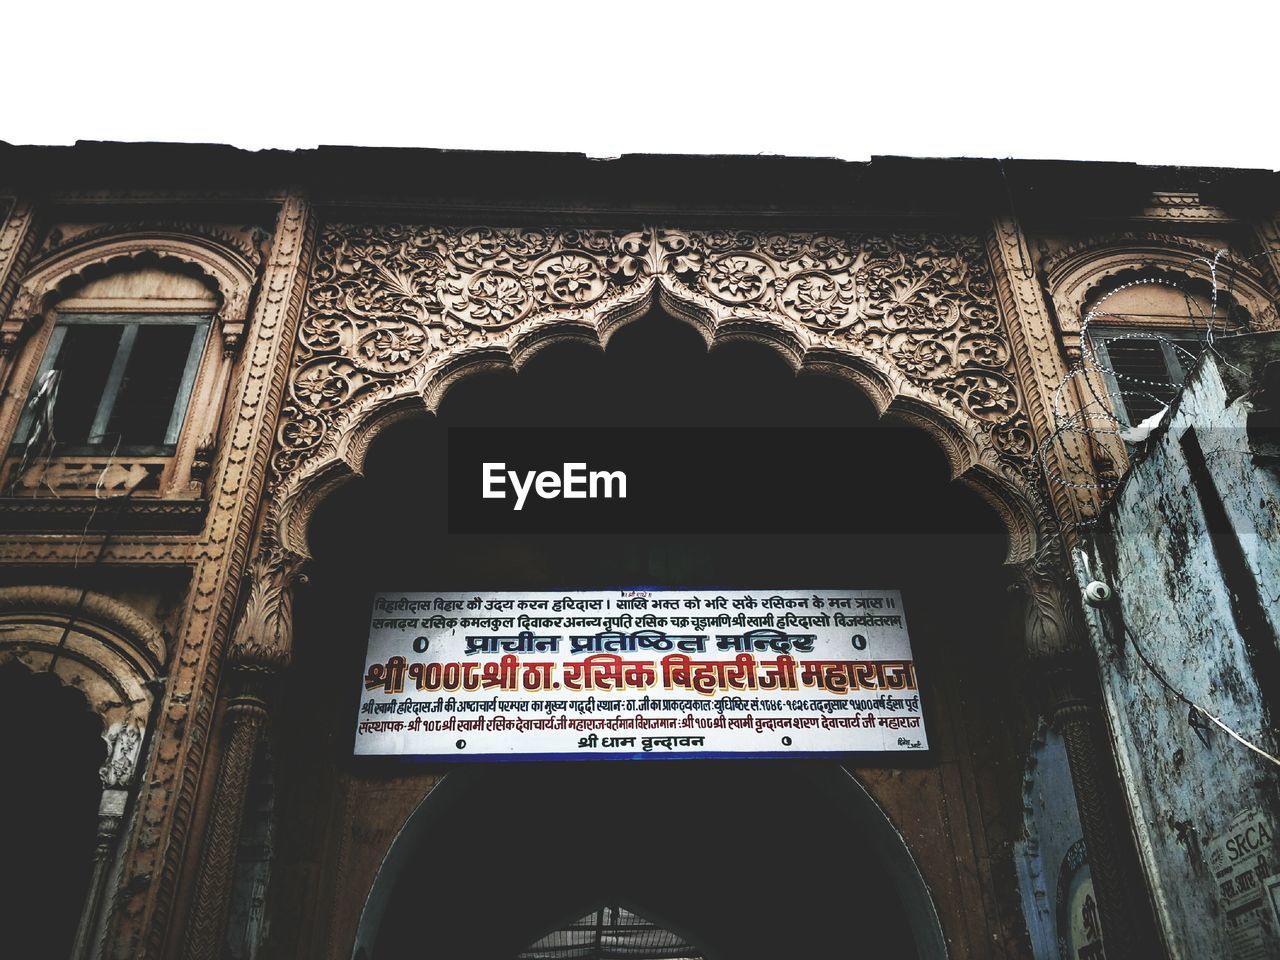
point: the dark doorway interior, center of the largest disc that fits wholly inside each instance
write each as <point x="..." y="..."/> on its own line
<point x="50" y="754"/>
<point x="729" y="858"/>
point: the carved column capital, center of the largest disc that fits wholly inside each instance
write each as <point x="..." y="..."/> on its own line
<point x="1053" y="624"/>
<point x="1054" y="633"/>
<point x="263" y="638"/>
<point x="261" y="648"/>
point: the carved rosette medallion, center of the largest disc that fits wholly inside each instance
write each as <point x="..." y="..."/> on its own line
<point x="739" y="278"/>
<point x="818" y="300"/>
<point x="571" y="278"/>
<point x="390" y="305"/>
<point x="492" y="300"/>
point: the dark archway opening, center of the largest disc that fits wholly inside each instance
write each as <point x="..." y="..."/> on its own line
<point x="50" y="753"/>
<point x="390" y="527"/>
<point x="732" y="860"/>
<point x="717" y="849"/>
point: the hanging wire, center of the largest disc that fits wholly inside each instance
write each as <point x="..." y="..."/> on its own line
<point x="1097" y="416"/>
<point x="1195" y="707"/>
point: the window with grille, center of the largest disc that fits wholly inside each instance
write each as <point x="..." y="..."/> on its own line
<point x="1143" y="369"/>
<point x="115" y="383"/>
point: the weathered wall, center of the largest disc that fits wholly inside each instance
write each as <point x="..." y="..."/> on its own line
<point x="1197" y="597"/>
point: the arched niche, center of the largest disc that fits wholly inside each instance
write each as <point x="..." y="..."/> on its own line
<point x="1084" y="277"/>
<point x="50" y="812"/>
<point x="1140" y="286"/>
<point x="226" y="273"/>
<point x="98" y="646"/>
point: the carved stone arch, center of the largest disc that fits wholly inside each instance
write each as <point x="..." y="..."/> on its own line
<point x="396" y="314"/>
<point x="94" y="644"/>
<point x="225" y="270"/>
<point x="1080" y="273"/>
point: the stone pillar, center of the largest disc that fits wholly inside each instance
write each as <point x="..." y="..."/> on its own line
<point x="1068" y="678"/>
<point x="259" y="652"/>
<point x="110" y="819"/>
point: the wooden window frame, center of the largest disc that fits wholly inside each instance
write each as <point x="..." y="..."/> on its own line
<point x="131" y="322"/>
<point x="1100" y="334"/>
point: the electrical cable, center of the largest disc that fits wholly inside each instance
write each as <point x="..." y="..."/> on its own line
<point x="1216" y="721"/>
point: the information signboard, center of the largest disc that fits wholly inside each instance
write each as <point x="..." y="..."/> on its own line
<point x="638" y="674"/>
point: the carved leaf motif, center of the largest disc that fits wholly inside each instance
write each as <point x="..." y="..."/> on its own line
<point x="738" y="279"/>
<point x="302" y="431"/>
<point x="570" y="278"/>
<point x="922" y="358"/>
<point x="391" y="349"/>
<point x="264" y="634"/>
<point x="497" y="299"/>
<point x="321" y="387"/>
<point x="817" y="300"/>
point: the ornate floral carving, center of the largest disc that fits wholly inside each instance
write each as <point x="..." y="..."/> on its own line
<point x="391" y="306"/>
<point x="247" y="241"/>
<point x="570" y="278"/>
<point x="738" y="279"/>
<point x="493" y="299"/>
<point x="64" y="267"/>
<point x="124" y="744"/>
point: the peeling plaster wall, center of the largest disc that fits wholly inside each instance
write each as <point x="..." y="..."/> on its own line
<point x="1169" y="565"/>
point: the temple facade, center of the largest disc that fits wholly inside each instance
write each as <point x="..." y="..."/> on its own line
<point x="226" y="381"/>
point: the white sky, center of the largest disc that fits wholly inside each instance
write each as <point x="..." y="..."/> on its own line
<point x="1168" y="82"/>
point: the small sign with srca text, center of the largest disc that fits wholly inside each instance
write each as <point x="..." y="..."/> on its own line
<point x="638" y="674"/>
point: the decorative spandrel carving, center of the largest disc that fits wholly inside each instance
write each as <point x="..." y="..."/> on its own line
<point x="390" y="306"/>
<point x="65" y="265"/>
<point x="247" y="241"/>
